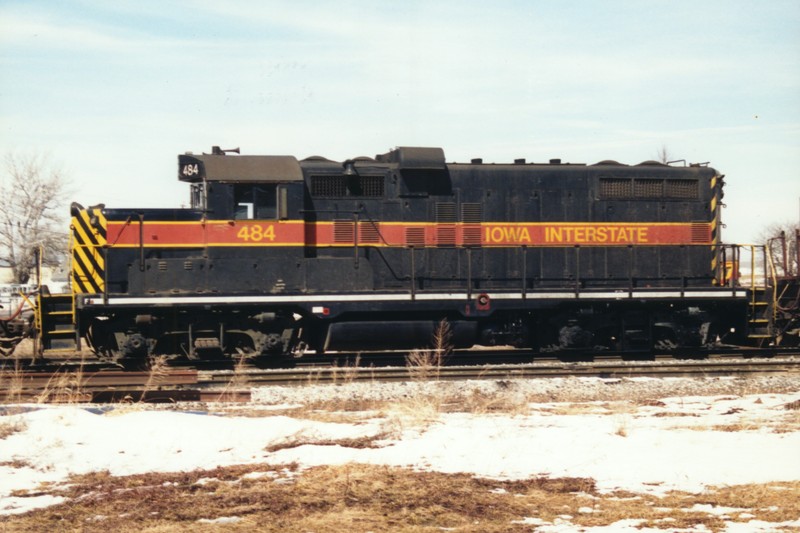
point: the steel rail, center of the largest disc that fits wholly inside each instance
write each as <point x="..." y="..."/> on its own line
<point x="528" y="371"/>
<point x="466" y="357"/>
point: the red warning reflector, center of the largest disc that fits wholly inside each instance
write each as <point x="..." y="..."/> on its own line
<point x="483" y="302"/>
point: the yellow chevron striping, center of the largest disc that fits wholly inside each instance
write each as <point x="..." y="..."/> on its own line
<point x="103" y="223"/>
<point x="88" y="263"/>
<point x="714" y="226"/>
<point x="86" y="254"/>
<point x="82" y="238"/>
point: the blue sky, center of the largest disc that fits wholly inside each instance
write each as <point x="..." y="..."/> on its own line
<point x="115" y="90"/>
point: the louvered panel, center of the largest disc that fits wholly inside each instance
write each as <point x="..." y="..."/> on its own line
<point x="471" y="235"/>
<point x="343" y="231"/>
<point x="446" y="212"/>
<point x="471" y="213"/>
<point x="415" y="236"/>
<point x="471" y="216"/>
<point x="446" y="235"/>
<point x="369" y="233"/>
<point x="701" y="232"/>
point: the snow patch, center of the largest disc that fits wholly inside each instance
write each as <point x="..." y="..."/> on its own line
<point x="668" y="444"/>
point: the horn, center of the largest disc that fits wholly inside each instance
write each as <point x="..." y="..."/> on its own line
<point x="216" y="150"/>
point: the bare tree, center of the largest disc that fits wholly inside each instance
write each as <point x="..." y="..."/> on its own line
<point x="32" y="191"/>
<point x="781" y="241"/>
<point x="664" y="155"/>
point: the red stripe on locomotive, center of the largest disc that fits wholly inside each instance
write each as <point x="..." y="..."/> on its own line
<point x="297" y="233"/>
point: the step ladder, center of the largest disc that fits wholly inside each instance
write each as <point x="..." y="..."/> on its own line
<point x="760" y="316"/>
<point x="56" y="324"/>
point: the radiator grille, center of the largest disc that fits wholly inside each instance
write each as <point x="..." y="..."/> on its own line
<point x="683" y="189"/>
<point x="340" y="186"/>
<point x="328" y="186"/>
<point x="615" y="188"/>
<point x="645" y="188"/>
<point x="623" y="188"/>
<point x="371" y="186"/>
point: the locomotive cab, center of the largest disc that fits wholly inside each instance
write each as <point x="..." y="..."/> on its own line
<point x="243" y="187"/>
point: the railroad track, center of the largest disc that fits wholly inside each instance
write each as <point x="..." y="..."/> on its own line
<point x="480" y="356"/>
<point x="173" y="385"/>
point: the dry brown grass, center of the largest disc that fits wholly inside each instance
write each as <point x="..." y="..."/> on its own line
<point x="343" y="375"/>
<point x="361" y="498"/>
<point x="480" y="402"/>
<point x="238" y="380"/>
<point x="416" y="412"/>
<point x="792" y="406"/>
<point x="157" y="373"/>
<point x="65" y="387"/>
<point x="426" y="363"/>
<point x="11" y="383"/>
<point x="10" y="426"/>
<point x="378" y="440"/>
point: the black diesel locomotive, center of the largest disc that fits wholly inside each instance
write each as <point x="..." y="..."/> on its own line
<point x="276" y="256"/>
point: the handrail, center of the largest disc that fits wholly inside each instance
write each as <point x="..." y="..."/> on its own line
<point x="774" y="279"/>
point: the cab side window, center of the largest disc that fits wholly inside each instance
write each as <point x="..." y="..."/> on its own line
<point x="255" y="202"/>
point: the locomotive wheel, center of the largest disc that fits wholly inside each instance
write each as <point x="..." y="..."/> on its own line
<point x="131" y="351"/>
<point x="102" y="342"/>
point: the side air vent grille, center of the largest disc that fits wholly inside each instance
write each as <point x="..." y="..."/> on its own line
<point x="624" y="188"/>
<point x="471" y="216"/>
<point x="615" y="188"/>
<point x="343" y="232"/>
<point x="446" y="235"/>
<point x="446" y="212"/>
<point x="328" y="186"/>
<point x="369" y="233"/>
<point x="701" y="233"/>
<point x="415" y="236"/>
<point x="339" y="186"/>
<point x="683" y="189"/>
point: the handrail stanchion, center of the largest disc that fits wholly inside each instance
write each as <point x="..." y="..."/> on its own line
<point x="413" y="274"/>
<point x="469" y="273"/>
<point x="524" y="271"/>
<point x="630" y="271"/>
